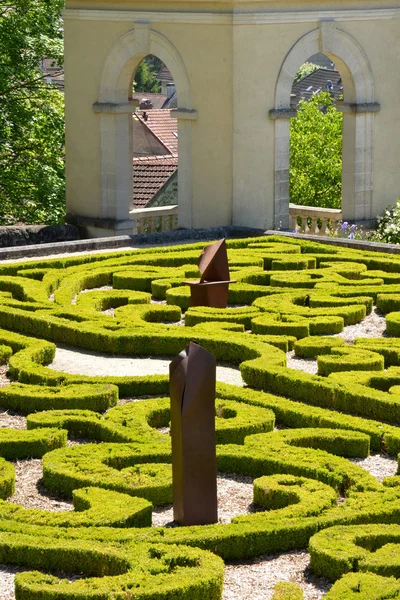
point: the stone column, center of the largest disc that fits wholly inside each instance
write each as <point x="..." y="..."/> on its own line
<point x="186" y="119"/>
<point x="282" y="162"/>
<point x="357" y="170"/>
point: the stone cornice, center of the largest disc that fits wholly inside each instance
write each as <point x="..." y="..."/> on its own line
<point x="232" y="17"/>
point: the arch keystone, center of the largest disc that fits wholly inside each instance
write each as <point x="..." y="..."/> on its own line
<point x="327" y="33"/>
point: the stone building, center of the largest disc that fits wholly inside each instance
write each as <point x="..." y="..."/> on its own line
<point x="233" y="64"/>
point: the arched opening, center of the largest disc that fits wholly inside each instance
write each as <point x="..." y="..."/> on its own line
<point x="358" y="110"/>
<point x="117" y="106"/>
<point x="155" y="143"/>
<point x="316" y="134"/>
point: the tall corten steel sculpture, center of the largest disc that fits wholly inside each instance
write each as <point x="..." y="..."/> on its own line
<point x="212" y="289"/>
<point x="194" y="463"/>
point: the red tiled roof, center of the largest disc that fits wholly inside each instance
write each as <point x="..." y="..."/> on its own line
<point x="157" y="100"/>
<point x="165" y="74"/>
<point x="163" y="126"/>
<point x="150" y="173"/>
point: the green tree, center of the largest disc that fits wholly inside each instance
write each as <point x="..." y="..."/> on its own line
<point x="146" y="77"/>
<point x="306" y="69"/>
<point x="316" y="153"/>
<point x="32" y="188"/>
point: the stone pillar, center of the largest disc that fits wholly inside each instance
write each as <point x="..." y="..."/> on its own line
<point x="186" y="119"/>
<point x="282" y="162"/>
<point x="357" y="169"/>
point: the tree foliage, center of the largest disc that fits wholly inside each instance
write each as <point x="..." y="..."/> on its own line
<point x="306" y="69"/>
<point x="146" y="75"/>
<point x="316" y="153"/>
<point x="32" y="188"/>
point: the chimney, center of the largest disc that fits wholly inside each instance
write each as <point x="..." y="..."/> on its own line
<point x="145" y="104"/>
<point x="170" y="90"/>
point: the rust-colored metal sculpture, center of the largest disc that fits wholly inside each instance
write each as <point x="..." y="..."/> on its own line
<point x="213" y="287"/>
<point x="194" y="463"/>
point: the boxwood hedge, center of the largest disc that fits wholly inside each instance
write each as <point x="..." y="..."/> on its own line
<point x="289" y="293"/>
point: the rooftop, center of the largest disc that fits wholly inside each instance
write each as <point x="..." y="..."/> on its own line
<point x="150" y="173"/>
<point x="317" y="82"/>
<point x="163" y="126"/>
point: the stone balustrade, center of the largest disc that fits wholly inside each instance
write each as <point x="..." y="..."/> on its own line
<point x="314" y="220"/>
<point x="159" y="218"/>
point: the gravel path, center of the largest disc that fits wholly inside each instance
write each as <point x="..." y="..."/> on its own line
<point x="82" y="362"/>
<point x="29" y="491"/>
<point x="4" y="380"/>
<point x="378" y="465"/>
<point x="248" y="580"/>
<point x="255" y="579"/>
<point x="301" y="364"/>
<point x="235" y="497"/>
<point x="373" y="326"/>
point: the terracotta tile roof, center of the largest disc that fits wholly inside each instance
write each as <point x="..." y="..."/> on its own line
<point x="165" y="75"/>
<point x="163" y="126"/>
<point x="316" y="82"/>
<point x="150" y="173"/>
<point x="157" y="100"/>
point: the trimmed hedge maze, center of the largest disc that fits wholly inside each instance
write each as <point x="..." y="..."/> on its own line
<point x="290" y="430"/>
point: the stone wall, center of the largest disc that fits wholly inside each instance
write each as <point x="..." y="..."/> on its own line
<point x="23" y="235"/>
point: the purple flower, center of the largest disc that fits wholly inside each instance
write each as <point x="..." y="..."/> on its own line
<point x="353" y="227"/>
<point x="351" y="235"/>
<point x="344" y="226"/>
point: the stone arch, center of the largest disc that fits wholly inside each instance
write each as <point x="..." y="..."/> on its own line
<point x="126" y="55"/>
<point x="358" y="109"/>
<point x="116" y="107"/>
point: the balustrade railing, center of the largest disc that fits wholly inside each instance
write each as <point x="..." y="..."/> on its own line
<point x="159" y="218"/>
<point x="314" y="220"/>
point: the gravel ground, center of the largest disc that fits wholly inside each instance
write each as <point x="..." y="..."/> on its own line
<point x="373" y="326"/>
<point x="7" y="575"/>
<point x="29" y="491"/>
<point x="4" y="380"/>
<point x="12" y="420"/>
<point x="378" y="465"/>
<point x="86" y="363"/>
<point x="301" y="364"/>
<point x="249" y="580"/>
<point x="255" y="579"/>
<point x="235" y="497"/>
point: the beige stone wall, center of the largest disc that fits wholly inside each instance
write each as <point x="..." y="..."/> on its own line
<point x="232" y="64"/>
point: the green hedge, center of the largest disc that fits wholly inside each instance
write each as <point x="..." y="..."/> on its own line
<point x="388" y="303"/>
<point x="298" y="288"/>
<point x="131" y="469"/>
<point x="5" y="354"/>
<point x="284" y="590"/>
<point x="20" y="444"/>
<point x="296" y="304"/>
<point x="279" y="491"/>
<point x="393" y="324"/>
<point x="137" y="422"/>
<point x="350" y="359"/>
<point x="364" y="586"/>
<point x="7" y="479"/>
<point x="153" y="571"/>
<point x="31" y="398"/>
<point x="313" y="346"/>
<point x="94" y="507"/>
<point x="201" y="314"/>
<point x="340" y="550"/>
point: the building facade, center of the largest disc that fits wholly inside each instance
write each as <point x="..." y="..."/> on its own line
<point x="233" y="64"/>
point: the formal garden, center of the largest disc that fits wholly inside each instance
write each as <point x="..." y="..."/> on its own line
<point x="307" y="422"/>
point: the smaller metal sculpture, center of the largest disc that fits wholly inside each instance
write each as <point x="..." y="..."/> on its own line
<point x="213" y="287"/>
<point x="194" y="463"/>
